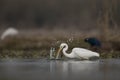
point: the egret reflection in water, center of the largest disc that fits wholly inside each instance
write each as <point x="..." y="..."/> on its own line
<point x="68" y="69"/>
<point x="30" y="69"/>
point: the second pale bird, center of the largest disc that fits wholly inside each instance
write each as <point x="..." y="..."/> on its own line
<point x="9" y="32"/>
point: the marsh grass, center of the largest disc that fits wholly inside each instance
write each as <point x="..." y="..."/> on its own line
<point x="38" y="46"/>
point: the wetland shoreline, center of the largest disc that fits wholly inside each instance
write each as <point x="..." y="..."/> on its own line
<point x="37" y="45"/>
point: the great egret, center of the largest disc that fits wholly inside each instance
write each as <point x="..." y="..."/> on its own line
<point x="9" y="32"/>
<point x="79" y="53"/>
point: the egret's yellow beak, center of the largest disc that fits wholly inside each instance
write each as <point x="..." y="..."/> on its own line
<point x="58" y="53"/>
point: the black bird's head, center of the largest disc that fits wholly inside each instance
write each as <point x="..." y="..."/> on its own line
<point x="86" y="39"/>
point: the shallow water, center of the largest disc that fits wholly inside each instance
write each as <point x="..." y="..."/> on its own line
<point x="44" y="69"/>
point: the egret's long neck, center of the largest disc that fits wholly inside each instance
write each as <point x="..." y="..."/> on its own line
<point x="65" y="53"/>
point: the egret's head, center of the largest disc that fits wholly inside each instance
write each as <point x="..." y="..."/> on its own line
<point x="61" y="47"/>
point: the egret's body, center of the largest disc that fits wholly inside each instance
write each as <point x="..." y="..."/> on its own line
<point x="9" y="32"/>
<point x="79" y="53"/>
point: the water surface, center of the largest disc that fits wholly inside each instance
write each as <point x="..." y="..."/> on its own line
<point x="44" y="69"/>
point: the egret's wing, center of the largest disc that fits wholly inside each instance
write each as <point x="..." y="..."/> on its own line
<point x="78" y="56"/>
<point x="82" y="53"/>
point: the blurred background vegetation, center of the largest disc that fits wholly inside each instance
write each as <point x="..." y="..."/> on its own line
<point x="46" y="22"/>
<point x="59" y="13"/>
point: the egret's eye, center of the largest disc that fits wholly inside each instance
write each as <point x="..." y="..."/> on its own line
<point x="63" y="46"/>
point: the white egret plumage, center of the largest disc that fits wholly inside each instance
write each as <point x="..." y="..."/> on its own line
<point x="79" y="53"/>
<point x="9" y="32"/>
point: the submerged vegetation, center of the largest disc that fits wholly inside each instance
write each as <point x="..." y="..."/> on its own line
<point x="38" y="46"/>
